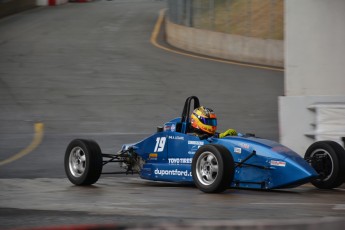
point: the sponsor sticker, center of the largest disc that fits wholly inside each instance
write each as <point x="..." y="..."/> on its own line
<point x="238" y="150"/>
<point x="173" y="172"/>
<point x="244" y="145"/>
<point x="173" y="127"/>
<point x="181" y="138"/>
<point x="195" y="142"/>
<point x="167" y="127"/>
<point x="180" y="160"/>
<point x="193" y="149"/>
<point x="278" y="163"/>
<point x="153" y="156"/>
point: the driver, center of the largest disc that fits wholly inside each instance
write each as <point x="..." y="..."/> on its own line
<point x="204" y="124"/>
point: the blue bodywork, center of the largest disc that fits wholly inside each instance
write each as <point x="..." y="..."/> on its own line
<point x="168" y="156"/>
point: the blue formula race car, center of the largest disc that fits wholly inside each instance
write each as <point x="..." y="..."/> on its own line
<point x="213" y="164"/>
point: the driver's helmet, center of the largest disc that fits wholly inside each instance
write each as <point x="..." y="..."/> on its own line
<point x="204" y="120"/>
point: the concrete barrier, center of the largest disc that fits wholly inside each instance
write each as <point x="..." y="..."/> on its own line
<point x="50" y="2"/>
<point x="81" y="1"/>
<point x="8" y="7"/>
<point x="227" y="46"/>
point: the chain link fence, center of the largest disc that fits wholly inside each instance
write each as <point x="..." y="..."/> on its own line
<point x="253" y="18"/>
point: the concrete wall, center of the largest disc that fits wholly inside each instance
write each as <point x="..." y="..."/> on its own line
<point x="314" y="69"/>
<point x="315" y="47"/>
<point x="227" y="46"/>
<point x="299" y="122"/>
<point x="8" y="7"/>
<point x="50" y="2"/>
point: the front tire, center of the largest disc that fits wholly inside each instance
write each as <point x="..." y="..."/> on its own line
<point x="328" y="160"/>
<point x="213" y="168"/>
<point x="83" y="162"/>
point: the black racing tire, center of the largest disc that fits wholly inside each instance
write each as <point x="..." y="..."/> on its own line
<point x="83" y="162"/>
<point x="213" y="168"/>
<point x="328" y="160"/>
<point x="341" y="157"/>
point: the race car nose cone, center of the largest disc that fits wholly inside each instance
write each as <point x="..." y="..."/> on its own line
<point x="291" y="172"/>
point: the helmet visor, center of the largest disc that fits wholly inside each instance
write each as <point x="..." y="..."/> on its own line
<point x="209" y="121"/>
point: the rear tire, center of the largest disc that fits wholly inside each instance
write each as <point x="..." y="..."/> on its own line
<point x="83" y="162"/>
<point x="328" y="160"/>
<point x="213" y="168"/>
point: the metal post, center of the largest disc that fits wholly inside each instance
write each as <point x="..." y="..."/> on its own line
<point x="189" y="14"/>
<point x="211" y="14"/>
<point x="249" y="17"/>
<point x="228" y="7"/>
<point x="272" y="18"/>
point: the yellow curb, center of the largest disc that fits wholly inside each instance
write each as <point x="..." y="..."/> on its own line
<point x="38" y="137"/>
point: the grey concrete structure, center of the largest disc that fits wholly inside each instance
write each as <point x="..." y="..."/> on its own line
<point x="314" y="76"/>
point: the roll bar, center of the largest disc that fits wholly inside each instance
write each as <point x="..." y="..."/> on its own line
<point x="186" y="112"/>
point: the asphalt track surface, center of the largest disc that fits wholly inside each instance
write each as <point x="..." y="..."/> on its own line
<point x="90" y="71"/>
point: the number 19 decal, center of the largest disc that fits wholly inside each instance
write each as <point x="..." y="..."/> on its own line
<point x="160" y="143"/>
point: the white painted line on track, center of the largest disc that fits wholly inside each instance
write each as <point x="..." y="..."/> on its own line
<point x="334" y="206"/>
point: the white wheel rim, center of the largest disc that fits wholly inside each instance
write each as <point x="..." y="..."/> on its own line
<point x="77" y="162"/>
<point x="207" y="168"/>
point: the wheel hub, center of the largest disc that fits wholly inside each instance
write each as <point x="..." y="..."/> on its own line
<point x="207" y="168"/>
<point x="322" y="163"/>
